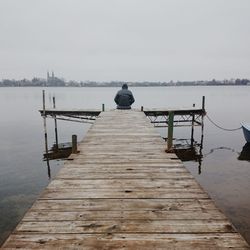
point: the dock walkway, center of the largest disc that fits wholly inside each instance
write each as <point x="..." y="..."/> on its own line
<point x="122" y="191"/>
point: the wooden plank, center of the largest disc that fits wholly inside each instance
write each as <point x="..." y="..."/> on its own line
<point x="134" y="157"/>
<point x="79" y="172"/>
<point x="65" y="193"/>
<point x="150" y="165"/>
<point x="130" y="153"/>
<point x="118" y="161"/>
<point x="127" y="241"/>
<point x="125" y="204"/>
<point x="119" y="140"/>
<point x="124" y="184"/>
<point x="37" y="215"/>
<point x="84" y="171"/>
<point x="138" y="175"/>
<point x="66" y="112"/>
<point x="126" y="226"/>
<point x="115" y="147"/>
<point x="166" y="168"/>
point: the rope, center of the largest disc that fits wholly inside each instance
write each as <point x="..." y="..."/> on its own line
<point x="222" y="147"/>
<point x="226" y="129"/>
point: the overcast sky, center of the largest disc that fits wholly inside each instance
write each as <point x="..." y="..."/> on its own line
<point x="131" y="40"/>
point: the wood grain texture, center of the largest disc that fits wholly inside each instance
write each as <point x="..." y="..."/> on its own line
<point x="122" y="191"/>
<point x="220" y="241"/>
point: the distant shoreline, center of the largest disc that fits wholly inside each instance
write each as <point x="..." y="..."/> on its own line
<point x="53" y="81"/>
<point x="118" y="86"/>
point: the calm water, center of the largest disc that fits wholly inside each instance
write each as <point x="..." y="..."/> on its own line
<point x="23" y="174"/>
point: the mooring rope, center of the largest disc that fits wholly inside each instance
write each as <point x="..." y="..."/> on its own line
<point x="226" y="129"/>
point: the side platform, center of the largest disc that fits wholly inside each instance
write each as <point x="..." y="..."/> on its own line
<point x="123" y="191"/>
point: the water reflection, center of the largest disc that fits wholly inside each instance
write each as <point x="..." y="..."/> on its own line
<point x="244" y="155"/>
<point x="48" y="168"/>
<point x="57" y="152"/>
<point x="189" y="150"/>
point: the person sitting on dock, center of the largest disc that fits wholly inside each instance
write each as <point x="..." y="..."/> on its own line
<point x="124" y="98"/>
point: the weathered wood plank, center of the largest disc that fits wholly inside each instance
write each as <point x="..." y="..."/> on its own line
<point x="138" y="175"/>
<point x="125" y="169"/>
<point x="118" y="161"/>
<point x="65" y="193"/>
<point x="124" y="184"/>
<point x="117" y="140"/>
<point x="123" y="157"/>
<point x="79" y="173"/>
<point x="126" y="226"/>
<point x="34" y="215"/>
<point x="125" y="204"/>
<point x="150" y="165"/>
<point x="220" y="241"/>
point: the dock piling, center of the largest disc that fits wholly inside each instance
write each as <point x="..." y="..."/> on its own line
<point x="103" y="107"/>
<point x="203" y="103"/>
<point x="44" y="125"/>
<point x="192" y="129"/>
<point x="170" y="129"/>
<point x="74" y="144"/>
<point x="203" y="114"/>
<point x="56" y="132"/>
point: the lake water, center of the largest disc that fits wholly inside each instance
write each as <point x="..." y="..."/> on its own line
<point x="23" y="173"/>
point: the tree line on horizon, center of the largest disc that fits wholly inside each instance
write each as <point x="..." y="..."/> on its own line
<point x="57" y="82"/>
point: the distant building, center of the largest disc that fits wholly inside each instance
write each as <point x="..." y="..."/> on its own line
<point x="50" y="79"/>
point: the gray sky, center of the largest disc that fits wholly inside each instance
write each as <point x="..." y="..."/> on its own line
<point x="131" y="40"/>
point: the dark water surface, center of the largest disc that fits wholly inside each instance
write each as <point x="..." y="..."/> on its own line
<point x="23" y="173"/>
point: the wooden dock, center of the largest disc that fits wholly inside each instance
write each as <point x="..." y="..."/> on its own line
<point x="122" y="191"/>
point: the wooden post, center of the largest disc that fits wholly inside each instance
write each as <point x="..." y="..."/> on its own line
<point x="142" y="108"/>
<point x="200" y="156"/>
<point x="203" y="103"/>
<point x="200" y="151"/>
<point x="170" y="129"/>
<point x="192" y="129"/>
<point x="74" y="144"/>
<point x="203" y="114"/>
<point x="103" y="107"/>
<point x="48" y="167"/>
<point x="56" y="132"/>
<point x="44" y="124"/>
<point x="202" y="133"/>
